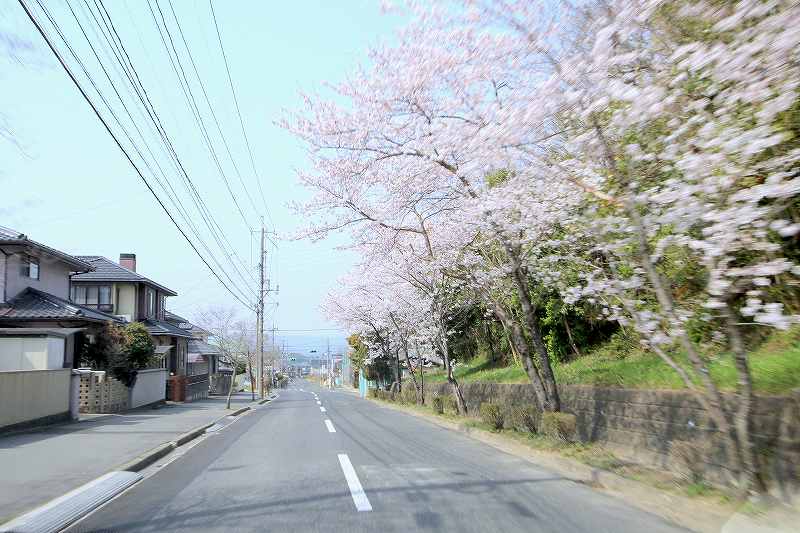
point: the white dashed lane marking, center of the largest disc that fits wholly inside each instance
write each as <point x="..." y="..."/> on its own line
<point x="356" y="490"/>
<point x="329" y="425"/>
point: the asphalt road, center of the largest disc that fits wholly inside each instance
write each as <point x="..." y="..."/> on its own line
<point x="281" y="468"/>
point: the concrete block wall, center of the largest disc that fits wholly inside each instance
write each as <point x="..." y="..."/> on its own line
<point x="650" y="426"/>
<point x="101" y="393"/>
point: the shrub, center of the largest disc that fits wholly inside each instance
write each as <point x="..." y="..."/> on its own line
<point x="492" y="414"/>
<point x="560" y="426"/>
<point x="372" y="393"/>
<point x="450" y="405"/>
<point x="408" y="395"/>
<point x="437" y="402"/>
<point x="524" y="418"/>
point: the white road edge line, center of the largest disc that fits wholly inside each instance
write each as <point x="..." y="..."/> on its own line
<point x="356" y="490"/>
<point x="322" y="409"/>
<point x="329" y="425"/>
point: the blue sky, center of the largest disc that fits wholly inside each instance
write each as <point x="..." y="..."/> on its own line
<point x="68" y="185"/>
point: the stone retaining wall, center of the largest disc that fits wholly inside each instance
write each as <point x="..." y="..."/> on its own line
<point x="658" y="427"/>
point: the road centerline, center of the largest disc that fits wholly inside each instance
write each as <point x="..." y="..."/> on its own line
<point x="356" y="490"/>
<point x="329" y="425"/>
<point x="322" y="409"/>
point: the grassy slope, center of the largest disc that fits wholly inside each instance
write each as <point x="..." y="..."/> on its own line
<point x="775" y="366"/>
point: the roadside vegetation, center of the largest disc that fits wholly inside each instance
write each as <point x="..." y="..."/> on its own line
<point x="514" y="428"/>
<point x="617" y="205"/>
<point x="775" y="366"/>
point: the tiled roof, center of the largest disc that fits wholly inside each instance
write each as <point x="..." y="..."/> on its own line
<point x="161" y="327"/>
<point x="200" y="347"/>
<point x="7" y="234"/>
<point x="107" y="270"/>
<point x="182" y="323"/>
<point x="9" y="237"/>
<point x="32" y="304"/>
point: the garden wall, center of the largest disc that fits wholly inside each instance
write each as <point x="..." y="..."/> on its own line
<point x="32" y="397"/>
<point x="663" y="429"/>
<point x="101" y="393"/>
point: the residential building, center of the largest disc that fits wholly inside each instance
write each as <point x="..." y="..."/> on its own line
<point x="204" y="359"/>
<point x="118" y="288"/>
<point x="40" y="328"/>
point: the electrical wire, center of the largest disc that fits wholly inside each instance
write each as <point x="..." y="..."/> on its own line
<point x="116" y="140"/>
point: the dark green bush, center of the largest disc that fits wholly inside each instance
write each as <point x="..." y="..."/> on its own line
<point x="492" y="414"/>
<point x="524" y="418"/>
<point x="560" y="426"/>
<point x="437" y="402"/>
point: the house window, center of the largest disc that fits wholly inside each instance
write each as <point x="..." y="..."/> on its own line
<point x="150" y="302"/>
<point x="30" y="267"/>
<point x="94" y="296"/>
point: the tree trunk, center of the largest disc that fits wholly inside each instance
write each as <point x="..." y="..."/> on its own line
<point x="230" y="387"/>
<point x="517" y="340"/>
<point x="411" y="371"/>
<point x="751" y="479"/>
<point x="252" y="381"/>
<point x="421" y="381"/>
<point x="569" y="336"/>
<point x="399" y="371"/>
<point x="528" y="311"/>
<point x="444" y="347"/>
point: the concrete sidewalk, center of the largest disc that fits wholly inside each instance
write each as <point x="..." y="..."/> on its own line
<point x="40" y="465"/>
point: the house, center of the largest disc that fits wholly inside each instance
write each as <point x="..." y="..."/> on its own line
<point x="41" y="332"/>
<point x="204" y="358"/>
<point x="118" y="289"/>
<point x="40" y="328"/>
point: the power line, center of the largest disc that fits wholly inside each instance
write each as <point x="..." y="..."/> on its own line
<point x="118" y="49"/>
<point x="187" y="91"/>
<point x="238" y="112"/>
<point x="108" y="129"/>
<point x="216" y="231"/>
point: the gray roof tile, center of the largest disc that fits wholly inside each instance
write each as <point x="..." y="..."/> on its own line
<point x="160" y="327"/>
<point x="198" y="346"/>
<point x="181" y="322"/>
<point x="32" y="304"/>
<point x="12" y="237"/>
<point x="107" y="270"/>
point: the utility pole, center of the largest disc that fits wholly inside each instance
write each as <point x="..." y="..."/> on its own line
<point x="330" y="365"/>
<point x="272" y="363"/>
<point x="260" y="317"/>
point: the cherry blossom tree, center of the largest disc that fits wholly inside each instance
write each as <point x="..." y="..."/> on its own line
<point x="603" y="150"/>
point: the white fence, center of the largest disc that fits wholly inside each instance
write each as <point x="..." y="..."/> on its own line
<point x="31" y="395"/>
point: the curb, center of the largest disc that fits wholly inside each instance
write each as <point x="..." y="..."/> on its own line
<point x="149" y="457"/>
<point x="146" y="459"/>
<point x="673" y="508"/>
<point x="131" y="467"/>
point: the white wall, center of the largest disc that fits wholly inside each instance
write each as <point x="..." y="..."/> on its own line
<point x="31" y="353"/>
<point x="33" y="394"/>
<point x="151" y="386"/>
